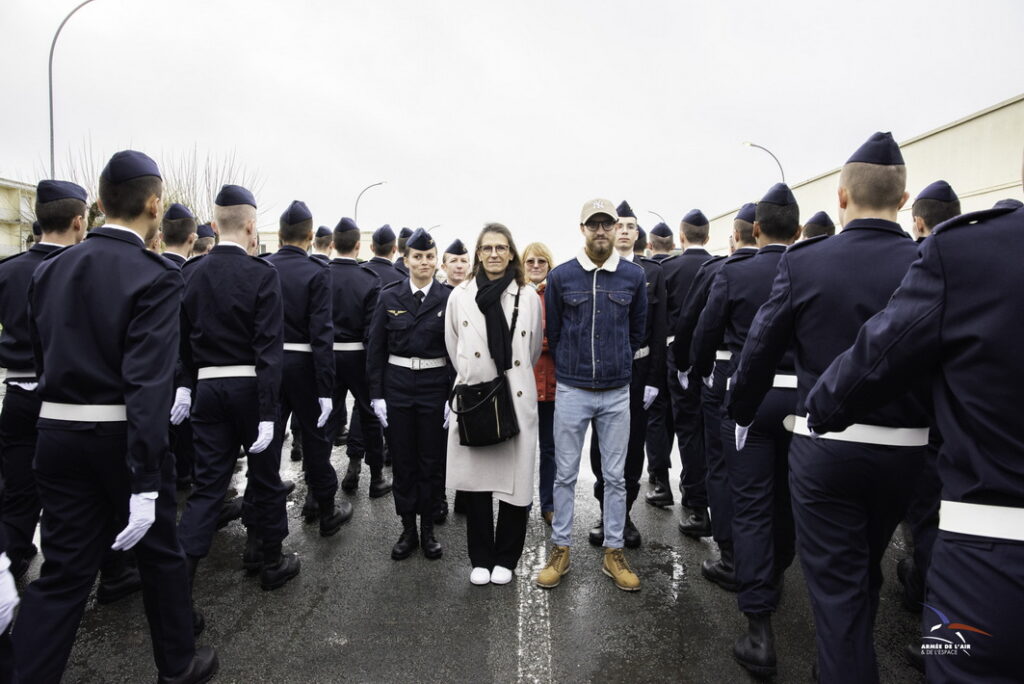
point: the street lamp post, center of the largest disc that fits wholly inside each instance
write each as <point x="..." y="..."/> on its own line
<point x="658" y="215"/>
<point x="761" y="147"/>
<point x="52" y="46"/>
<point x="355" y="212"/>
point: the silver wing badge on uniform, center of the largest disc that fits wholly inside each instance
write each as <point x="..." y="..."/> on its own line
<point x="397" y="312"/>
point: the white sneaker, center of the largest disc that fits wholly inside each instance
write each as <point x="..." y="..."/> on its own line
<point x="480" y="576"/>
<point x="500" y="575"/>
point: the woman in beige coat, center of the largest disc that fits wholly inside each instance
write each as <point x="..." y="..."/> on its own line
<point x="480" y="342"/>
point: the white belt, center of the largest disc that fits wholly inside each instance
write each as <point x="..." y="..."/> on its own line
<point x="670" y="339"/>
<point x="14" y="374"/>
<point x="298" y="346"/>
<point x="83" y="413"/>
<point x="1001" y="522"/>
<point x="211" y="372"/>
<point x="416" y="363"/>
<point x="348" y="346"/>
<point x="865" y="434"/>
<point x="723" y="355"/>
<point x="641" y="353"/>
<point x="780" y="381"/>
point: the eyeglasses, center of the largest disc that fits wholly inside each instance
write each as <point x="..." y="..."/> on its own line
<point x="600" y="227"/>
<point x="497" y="249"/>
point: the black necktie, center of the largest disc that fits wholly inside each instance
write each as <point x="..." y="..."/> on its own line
<point x="418" y="296"/>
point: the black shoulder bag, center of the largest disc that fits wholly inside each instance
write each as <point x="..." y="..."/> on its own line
<point x="485" y="410"/>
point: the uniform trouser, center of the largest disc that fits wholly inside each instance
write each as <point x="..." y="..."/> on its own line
<point x="299" y="398"/>
<point x="354" y="446"/>
<point x="488" y="545"/>
<point x="18" y="443"/>
<point x="762" y="524"/>
<point x="546" y="438"/>
<point x="575" y="410"/>
<point x="719" y="492"/>
<point x="417" y="437"/>
<point x="182" y="448"/>
<point x="680" y="417"/>
<point x="847" y="499"/>
<point x="922" y="519"/>
<point x="634" y="466"/>
<point x="350" y="376"/>
<point x="84" y="485"/>
<point x="976" y="582"/>
<point x="225" y="416"/>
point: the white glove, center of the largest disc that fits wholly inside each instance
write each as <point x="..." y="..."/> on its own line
<point x="380" y="409"/>
<point x="650" y="394"/>
<point x="264" y="436"/>
<point x="684" y="378"/>
<point x="447" y="415"/>
<point x="181" y="406"/>
<point x="741" y="436"/>
<point x="326" y="406"/>
<point x="141" y="516"/>
<point x="8" y="593"/>
<point x="814" y="435"/>
<point x="709" y="381"/>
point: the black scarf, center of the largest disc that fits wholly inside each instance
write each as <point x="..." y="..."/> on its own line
<point x="488" y="299"/>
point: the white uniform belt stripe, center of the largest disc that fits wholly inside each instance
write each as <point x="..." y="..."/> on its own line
<point x="83" y="413"/>
<point x="416" y="363"/>
<point x="781" y="381"/>
<point x="211" y="372"/>
<point x="641" y="353"/>
<point x="865" y="434"/>
<point x="348" y="346"/>
<point x="298" y="346"/>
<point x="13" y="374"/>
<point x="1000" y="522"/>
<point x="722" y="355"/>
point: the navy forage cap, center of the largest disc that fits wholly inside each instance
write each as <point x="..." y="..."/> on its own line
<point x="205" y="230"/>
<point x="127" y="165"/>
<point x="747" y="212"/>
<point x="178" y="211"/>
<point x="640" y="232"/>
<point x="661" y="230"/>
<point x="405" y="233"/>
<point x="420" y="240"/>
<point x="820" y="219"/>
<point x="695" y="217"/>
<point x="53" y="190"/>
<point x="779" y="194"/>
<point x="624" y="210"/>
<point x="879" y="149"/>
<point x="346" y="224"/>
<point x="37" y="229"/>
<point x="939" y="190"/>
<point x="383" y="235"/>
<point x="297" y="212"/>
<point x="1008" y="203"/>
<point x="324" y="231"/>
<point x="456" y="248"/>
<point x="233" y="195"/>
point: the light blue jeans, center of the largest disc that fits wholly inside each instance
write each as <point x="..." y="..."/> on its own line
<point x="574" y="410"/>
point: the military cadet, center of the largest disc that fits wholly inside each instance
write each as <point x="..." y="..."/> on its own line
<point x="307" y="383"/>
<point x="206" y="238"/>
<point x="762" y="523"/>
<point x="99" y="464"/>
<point x="382" y="244"/>
<point x="848" y="491"/>
<point x="354" y="291"/>
<point x="933" y="205"/>
<point x="819" y="224"/>
<point x="322" y="240"/>
<point x="640" y="246"/>
<point x="721" y="570"/>
<point x="647" y="380"/>
<point x="409" y="376"/>
<point x="61" y="211"/>
<point x="661" y="242"/>
<point x="682" y="417"/>
<point x="232" y="352"/>
<point x="951" y="325"/>
<point x="455" y="263"/>
<point x="403" y="240"/>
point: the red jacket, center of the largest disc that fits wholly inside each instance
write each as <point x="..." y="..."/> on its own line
<point x="544" y="369"/>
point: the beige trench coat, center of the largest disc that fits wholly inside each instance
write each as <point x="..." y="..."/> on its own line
<point x="507" y="468"/>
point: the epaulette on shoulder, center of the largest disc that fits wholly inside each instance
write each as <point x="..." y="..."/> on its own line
<point x="625" y="261"/>
<point x="670" y="258"/>
<point x="649" y="260"/>
<point x="738" y="256"/>
<point x="192" y="262"/>
<point x="972" y="218"/>
<point x="816" y="240"/>
<point x="166" y="263"/>
<point x="261" y="259"/>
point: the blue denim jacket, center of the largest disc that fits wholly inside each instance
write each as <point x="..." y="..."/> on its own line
<point x="595" y="320"/>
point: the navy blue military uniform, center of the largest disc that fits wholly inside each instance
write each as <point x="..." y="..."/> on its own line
<point x="181" y="434"/>
<point x="232" y="320"/>
<point x="385" y="270"/>
<point x="105" y="383"/>
<point x="847" y="496"/>
<point x="400" y="266"/>
<point x="308" y="362"/>
<point x="762" y="523"/>
<point x="952" y="324"/>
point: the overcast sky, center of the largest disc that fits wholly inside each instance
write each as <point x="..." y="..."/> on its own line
<point x="515" y="112"/>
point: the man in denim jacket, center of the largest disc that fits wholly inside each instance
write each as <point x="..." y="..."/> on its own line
<point x="596" y="307"/>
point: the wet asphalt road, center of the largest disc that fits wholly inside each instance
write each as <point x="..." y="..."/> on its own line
<point x="355" y="615"/>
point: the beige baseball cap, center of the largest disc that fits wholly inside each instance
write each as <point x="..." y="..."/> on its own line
<point x="597" y="206"/>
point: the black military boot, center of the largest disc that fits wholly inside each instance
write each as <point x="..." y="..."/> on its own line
<point x="661" y="496"/>
<point x="409" y="541"/>
<point x="722" y="571"/>
<point x="596" y="536"/>
<point x="202" y="668"/>
<point x="231" y="510"/>
<point x="278" y="568"/>
<point x="350" y="482"/>
<point x="296" y="444"/>
<point x="252" y="557"/>
<point x="697" y="524"/>
<point x="431" y="547"/>
<point x="755" y="650"/>
<point x="332" y="516"/>
<point x="631" y="538"/>
<point x="341" y="439"/>
<point x="310" y="509"/>
<point x="118" y="578"/>
<point x="379" y="485"/>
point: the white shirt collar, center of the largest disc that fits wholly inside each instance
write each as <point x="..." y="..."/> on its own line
<point x="610" y="264"/>
<point x="127" y="230"/>
<point x="425" y="289"/>
<point x="229" y="243"/>
<point x="53" y="244"/>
